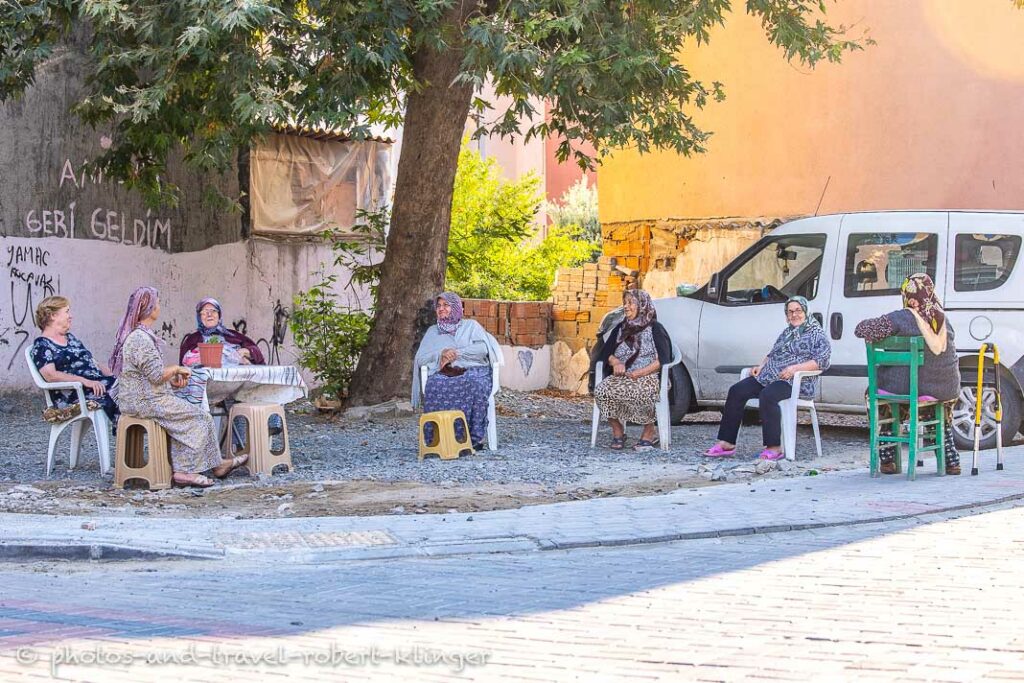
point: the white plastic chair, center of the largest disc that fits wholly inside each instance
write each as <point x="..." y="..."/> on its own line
<point x="100" y="423"/>
<point x="661" y="410"/>
<point x="492" y="426"/>
<point x="789" y="407"/>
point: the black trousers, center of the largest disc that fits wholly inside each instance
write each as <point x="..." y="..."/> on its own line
<point x="768" y="398"/>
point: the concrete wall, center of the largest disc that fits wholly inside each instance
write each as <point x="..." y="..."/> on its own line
<point x="928" y="118"/>
<point x="45" y="192"/>
<point x="62" y="232"/>
<point x="254" y="281"/>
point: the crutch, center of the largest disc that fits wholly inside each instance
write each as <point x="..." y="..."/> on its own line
<point x="982" y="353"/>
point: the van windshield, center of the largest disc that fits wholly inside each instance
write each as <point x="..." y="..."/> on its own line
<point x="776" y="269"/>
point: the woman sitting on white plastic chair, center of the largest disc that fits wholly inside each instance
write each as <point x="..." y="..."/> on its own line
<point x="61" y="357"/>
<point x="634" y="352"/>
<point x="458" y="353"/>
<point x="802" y="346"/>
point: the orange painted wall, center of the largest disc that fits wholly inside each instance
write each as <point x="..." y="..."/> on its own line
<point x="930" y="117"/>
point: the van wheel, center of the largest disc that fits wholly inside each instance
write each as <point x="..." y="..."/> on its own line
<point x="963" y="416"/>
<point x="680" y="394"/>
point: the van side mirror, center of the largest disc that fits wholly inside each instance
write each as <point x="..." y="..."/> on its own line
<point x="713" y="285"/>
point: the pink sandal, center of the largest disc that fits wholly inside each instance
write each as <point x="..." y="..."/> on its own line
<point x="717" y="451"/>
<point x="772" y="455"/>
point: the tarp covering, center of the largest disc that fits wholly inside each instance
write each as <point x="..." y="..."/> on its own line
<point x="302" y="186"/>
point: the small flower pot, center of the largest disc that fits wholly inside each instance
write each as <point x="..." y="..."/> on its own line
<point x="211" y="355"/>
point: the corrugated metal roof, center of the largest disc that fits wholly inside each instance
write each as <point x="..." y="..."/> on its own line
<point x="324" y="133"/>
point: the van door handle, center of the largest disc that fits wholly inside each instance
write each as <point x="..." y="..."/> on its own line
<point x="835" y="325"/>
<point x="817" y="316"/>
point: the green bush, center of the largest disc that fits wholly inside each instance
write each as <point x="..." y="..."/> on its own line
<point x="331" y="336"/>
<point x="494" y="249"/>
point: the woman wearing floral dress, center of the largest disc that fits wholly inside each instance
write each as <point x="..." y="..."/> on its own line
<point x="458" y="353"/>
<point x="144" y="389"/>
<point x="62" y="357"/>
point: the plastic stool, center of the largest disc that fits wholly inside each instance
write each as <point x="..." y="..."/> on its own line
<point x="446" y="445"/>
<point x="262" y="459"/>
<point x="130" y="462"/>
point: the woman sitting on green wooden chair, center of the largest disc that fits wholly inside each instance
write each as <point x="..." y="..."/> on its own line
<point x="939" y="377"/>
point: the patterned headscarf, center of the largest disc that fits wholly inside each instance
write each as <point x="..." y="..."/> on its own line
<point x="216" y="329"/>
<point x="796" y="331"/>
<point x="450" y="323"/>
<point x="630" y="330"/>
<point x="931" y="319"/>
<point x="140" y="305"/>
<point x="920" y="288"/>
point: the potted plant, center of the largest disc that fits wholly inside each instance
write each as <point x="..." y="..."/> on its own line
<point x="211" y="352"/>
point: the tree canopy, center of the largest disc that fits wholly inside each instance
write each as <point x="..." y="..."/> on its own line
<point x="208" y="76"/>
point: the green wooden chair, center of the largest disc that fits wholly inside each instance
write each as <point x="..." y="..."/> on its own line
<point x="905" y="351"/>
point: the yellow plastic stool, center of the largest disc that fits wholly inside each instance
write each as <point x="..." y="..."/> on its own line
<point x="446" y="445"/>
<point x="130" y="464"/>
<point x="258" y="440"/>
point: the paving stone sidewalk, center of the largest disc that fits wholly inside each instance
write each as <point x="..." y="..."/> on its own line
<point x="833" y="499"/>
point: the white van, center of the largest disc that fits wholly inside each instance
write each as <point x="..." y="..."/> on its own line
<point x="850" y="267"/>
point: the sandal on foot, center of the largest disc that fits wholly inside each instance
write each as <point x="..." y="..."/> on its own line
<point x="239" y="460"/>
<point x="768" y="454"/>
<point x="645" y="445"/>
<point x="618" y="443"/>
<point x="717" y="451"/>
<point x="180" y="479"/>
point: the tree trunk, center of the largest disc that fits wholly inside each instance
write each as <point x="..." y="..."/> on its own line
<point x="417" y="246"/>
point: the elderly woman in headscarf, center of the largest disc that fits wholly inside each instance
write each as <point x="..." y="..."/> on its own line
<point x="633" y="354"/>
<point x="238" y="348"/>
<point x="144" y="389"/>
<point x="802" y="346"/>
<point x="939" y="378"/>
<point x="458" y="353"/>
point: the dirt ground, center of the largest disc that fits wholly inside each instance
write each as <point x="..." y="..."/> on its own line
<point x="370" y="468"/>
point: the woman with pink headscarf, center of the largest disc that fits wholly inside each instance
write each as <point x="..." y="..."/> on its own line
<point x="458" y="353"/>
<point x="144" y="389"/>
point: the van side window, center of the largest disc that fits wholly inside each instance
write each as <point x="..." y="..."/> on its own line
<point x="877" y="263"/>
<point x="983" y="262"/>
<point x="775" y="269"/>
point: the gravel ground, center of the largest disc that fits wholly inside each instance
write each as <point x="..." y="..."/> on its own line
<point x="544" y="439"/>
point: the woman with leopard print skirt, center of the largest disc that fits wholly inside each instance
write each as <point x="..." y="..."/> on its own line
<point x="633" y="352"/>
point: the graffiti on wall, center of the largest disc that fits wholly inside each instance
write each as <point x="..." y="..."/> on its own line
<point x="271" y="347"/>
<point x="32" y="279"/>
<point x="107" y="223"/>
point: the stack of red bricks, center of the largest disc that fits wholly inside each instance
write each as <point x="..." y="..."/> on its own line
<point x="582" y="297"/>
<point x="513" y="323"/>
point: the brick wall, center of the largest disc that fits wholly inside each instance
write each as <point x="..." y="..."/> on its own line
<point x="513" y="323"/>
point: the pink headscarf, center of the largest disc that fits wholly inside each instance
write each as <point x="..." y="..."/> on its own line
<point x="450" y="323"/>
<point x="140" y="305"/>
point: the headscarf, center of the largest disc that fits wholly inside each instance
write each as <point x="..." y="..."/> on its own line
<point x="140" y="306"/>
<point x="928" y="313"/>
<point x="630" y="330"/>
<point x="794" y="332"/>
<point x="450" y="323"/>
<point x="216" y="329"/>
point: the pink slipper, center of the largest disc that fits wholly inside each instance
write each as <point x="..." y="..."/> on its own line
<point x="772" y="455"/>
<point x="717" y="451"/>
